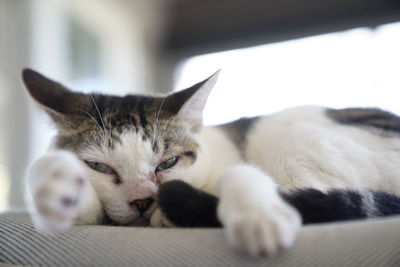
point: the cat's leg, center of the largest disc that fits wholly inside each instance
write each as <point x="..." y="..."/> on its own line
<point x="59" y="194"/>
<point x="256" y="219"/>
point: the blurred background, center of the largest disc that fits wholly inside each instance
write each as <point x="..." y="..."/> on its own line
<point x="273" y="55"/>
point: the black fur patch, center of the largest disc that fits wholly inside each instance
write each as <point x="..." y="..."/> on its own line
<point x="186" y="206"/>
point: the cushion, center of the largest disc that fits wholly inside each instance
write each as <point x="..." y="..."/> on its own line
<point x="356" y="243"/>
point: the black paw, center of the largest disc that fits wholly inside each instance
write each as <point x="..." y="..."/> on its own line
<point x="187" y="206"/>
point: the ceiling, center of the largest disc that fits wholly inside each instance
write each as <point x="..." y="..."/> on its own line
<point x="204" y="26"/>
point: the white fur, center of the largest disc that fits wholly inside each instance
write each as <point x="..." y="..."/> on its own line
<point x="135" y="162"/>
<point x="216" y="154"/>
<point x="301" y="147"/>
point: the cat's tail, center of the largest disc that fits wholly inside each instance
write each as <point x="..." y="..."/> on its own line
<point x="187" y="206"/>
<point x="342" y="204"/>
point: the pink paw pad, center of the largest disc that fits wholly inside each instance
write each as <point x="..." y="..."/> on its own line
<point x="80" y="181"/>
<point x="68" y="201"/>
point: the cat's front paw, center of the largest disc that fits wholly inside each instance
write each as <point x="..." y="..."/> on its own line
<point x="262" y="229"/>
<point x="56" y="187"/>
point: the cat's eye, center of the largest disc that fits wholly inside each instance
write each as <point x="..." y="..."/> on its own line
<point x="167" y="164"/>
<point x="100" y="167"/>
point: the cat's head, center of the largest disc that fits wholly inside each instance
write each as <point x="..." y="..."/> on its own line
<point x="129" y="144"/>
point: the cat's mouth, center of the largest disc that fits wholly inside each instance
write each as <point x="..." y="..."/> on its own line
<point x="144" y="219"/>
<point x="132" y="219"/>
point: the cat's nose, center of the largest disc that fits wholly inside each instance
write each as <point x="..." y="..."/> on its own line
<point x="142" y="204"/>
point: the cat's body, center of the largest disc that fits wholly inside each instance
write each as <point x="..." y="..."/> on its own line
<point x="305" y="147"/>
<point x="132" y="145"/>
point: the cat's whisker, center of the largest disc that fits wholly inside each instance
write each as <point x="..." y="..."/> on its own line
<point x="101" y="117"/>
<point x="156" y="131"/>
<point x="87" y="113"/>
<point x="157" y="118"/>
<point x="110" y="114"/>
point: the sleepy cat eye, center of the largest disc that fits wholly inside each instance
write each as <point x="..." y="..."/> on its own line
<point x="167" y="164"/>
<point x="100" y="167"/>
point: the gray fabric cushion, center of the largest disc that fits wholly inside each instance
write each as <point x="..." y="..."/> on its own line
<point x="368" y="243"/>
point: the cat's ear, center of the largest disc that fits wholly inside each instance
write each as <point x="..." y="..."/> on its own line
<point x="52" y="96"/>
<point x="64" y="106"/>
<point x="188" y="104"/>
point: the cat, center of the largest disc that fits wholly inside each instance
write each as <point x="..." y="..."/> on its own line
<point x="112" y="154"/>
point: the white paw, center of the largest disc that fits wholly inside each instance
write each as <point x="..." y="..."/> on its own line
<point x="56" y="187"/>
<point x="159" y="220"/>
<point x="262" y="229"/>
<point x="256" y="219"/>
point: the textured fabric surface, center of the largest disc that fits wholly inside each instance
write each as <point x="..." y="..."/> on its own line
<point x="369" y="243"/>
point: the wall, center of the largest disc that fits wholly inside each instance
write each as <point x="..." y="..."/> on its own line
<point x="14" y="55"/>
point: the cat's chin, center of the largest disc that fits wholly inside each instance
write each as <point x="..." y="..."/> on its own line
<point x="141" y="222"/>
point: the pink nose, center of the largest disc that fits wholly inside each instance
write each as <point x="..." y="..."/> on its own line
<point x="141" y="204"/>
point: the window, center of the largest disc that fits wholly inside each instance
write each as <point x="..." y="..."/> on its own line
<point x="85" y="59"/>
<point x="352" y="68"/>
